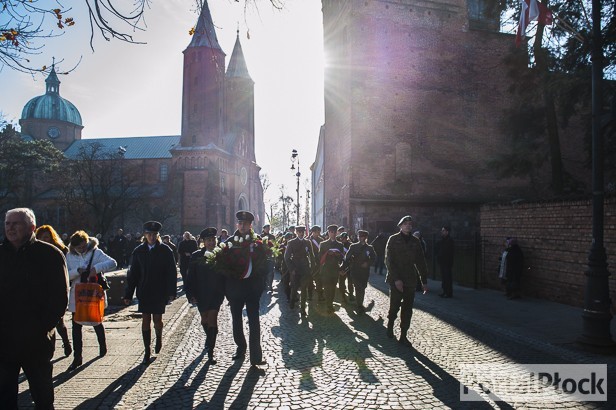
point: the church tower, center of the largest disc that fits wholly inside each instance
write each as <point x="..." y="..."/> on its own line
<point x="239" y="101"/>
<point x="203" y="87"/>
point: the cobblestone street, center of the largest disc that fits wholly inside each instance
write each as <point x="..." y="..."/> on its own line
<point x="333" y="361"/>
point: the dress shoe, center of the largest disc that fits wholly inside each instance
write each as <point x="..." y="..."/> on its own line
<point x="239" y="354"/>
<point x="258" y="363"/>
<point x="76" y="363"/>
<point x="67" y="349"/>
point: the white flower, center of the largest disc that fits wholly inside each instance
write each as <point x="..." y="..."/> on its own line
<point x="248" y="237"/>
<point x="208" y="254"/>
<point x="241" y="240"/>
<point x="236" y="238"/>
<point x="222" y="245"/>
<point x="230" y="245"/>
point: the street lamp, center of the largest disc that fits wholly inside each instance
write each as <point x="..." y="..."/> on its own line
<point x="294" y="159"/>
<point x="121" y="152"/>
<point x="596" y="316"/>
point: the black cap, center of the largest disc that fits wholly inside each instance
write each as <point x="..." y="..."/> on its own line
<point x="288" y="235"/>
<point x="405" y="219"/>
<point x="315" y="228"/>
<point x="361" y="232"/>
<point x="152" y="226"/>
<point x="332" y="228"/>
<point x="244" y="216"/>
<point x="208" y="233"/>
<point x="301" y="228"/>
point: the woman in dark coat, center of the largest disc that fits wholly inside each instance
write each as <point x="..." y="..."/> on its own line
<point x="205" y="286"/>
<point x="153" y="273"/>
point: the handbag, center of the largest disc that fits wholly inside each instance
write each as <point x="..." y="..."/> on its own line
<point x="100" y="278"/>
<point x="89" y="304"/>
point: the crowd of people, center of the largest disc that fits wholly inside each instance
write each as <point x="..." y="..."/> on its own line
<point x="39" y="272"/>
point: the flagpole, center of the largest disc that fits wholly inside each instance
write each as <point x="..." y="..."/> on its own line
<point x="597" y="316"/>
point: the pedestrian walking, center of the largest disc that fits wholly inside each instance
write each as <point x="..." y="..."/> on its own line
<point x="205" y="286"/>
<point x="315" y="240"/>
<point x="46" y="233"/>
<point x="186" y="247"/>
<point x="153" y="275"/>
<point x="244" y="284"/>
<point x="405" y="259"/>
<point x="85" y="261"/>
<point x="331" y="255"/>
<point x="446" y="249"/>
<point x="300" y="260"/>
<point x="359" y="258"/>
<point x="33" y="299"/>
<point x="379" y="244"/>
<point x="269" y="278"/>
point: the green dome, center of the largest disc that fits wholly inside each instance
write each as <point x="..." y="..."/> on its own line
<point x="51" y="106"/>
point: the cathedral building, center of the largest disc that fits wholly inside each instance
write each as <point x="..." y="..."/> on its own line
<point x="207" y="173"/>
<point x="415" y="92"/>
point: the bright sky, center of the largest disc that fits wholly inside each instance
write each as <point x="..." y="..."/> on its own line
<point x="136" y="90"/>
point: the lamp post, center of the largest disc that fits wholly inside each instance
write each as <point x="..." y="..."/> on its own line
<point x="121" y="152"/>
<point x="596" y="316"/>
<point x="294" y="159"/>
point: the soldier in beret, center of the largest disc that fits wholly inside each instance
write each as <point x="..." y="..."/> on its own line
<point x="154" y="275"/>
<point x="404" y="259"/>
<point x="206" y="287"/>
<point x="359" y="258"/>
<point x="299" y="259"/>
<point x="246" y="291"/>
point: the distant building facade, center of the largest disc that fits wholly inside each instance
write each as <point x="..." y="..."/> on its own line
<point x="414" y="95"/>
<point x="207" y="173"/>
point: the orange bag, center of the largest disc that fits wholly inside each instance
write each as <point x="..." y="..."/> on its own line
<point x="89" y="304"/>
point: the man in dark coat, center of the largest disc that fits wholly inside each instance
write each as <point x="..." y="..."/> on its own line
<point x="331" y="255"/>
<point x="267" y="236"/>
<point x="186" y="247"/>
<point x="300" y="260"/>
<point x="33" y="299"/>
<point x="154" y="274"/>
<point x="378" y="244"/>
<point x="118" y="247"/>
<point x="445" y="261"/>
<point x="315" y="241"/>
<point x="359" y="258"/>
<point x="246" y="289"/>
<point x="514" y="268"/>
<point x="405" y="259"/>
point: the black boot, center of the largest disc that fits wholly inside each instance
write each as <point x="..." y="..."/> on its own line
<point x="66" y="343"/>
<point x="102" y="343"/>
<point x="147" y="341"/>
<point x="78" y="346"/>
<point x="390" y="329"/>
<point x="211" y="341"/>
<point x="159" y="340"/>
<point x="207" y="335"/>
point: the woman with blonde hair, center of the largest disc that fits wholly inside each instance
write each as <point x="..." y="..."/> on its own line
<point x="46" y="233"/>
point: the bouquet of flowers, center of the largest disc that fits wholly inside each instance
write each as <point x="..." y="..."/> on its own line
<point x="241" y="257"/>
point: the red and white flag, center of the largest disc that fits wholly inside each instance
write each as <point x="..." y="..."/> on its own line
<point x="532" y="10"/>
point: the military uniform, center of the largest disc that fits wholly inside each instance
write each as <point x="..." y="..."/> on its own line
<point x="331" y="254"/>
<point x="300" y="260"/>
<point x="404" y="258"/>
<point x="318" y="284"/>
<point x="359" y="258"/>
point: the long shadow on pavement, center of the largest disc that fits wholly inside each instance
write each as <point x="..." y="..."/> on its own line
<point x="113" y="393"/>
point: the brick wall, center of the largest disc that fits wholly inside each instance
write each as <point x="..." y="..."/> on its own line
<point x="555" y="238"/>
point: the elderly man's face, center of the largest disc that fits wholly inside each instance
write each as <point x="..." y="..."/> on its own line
<point x="16" y="229"/>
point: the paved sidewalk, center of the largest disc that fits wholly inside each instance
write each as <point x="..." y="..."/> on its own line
<point x="341" y="361"/>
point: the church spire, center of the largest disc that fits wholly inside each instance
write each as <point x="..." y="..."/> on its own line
<point x="205" y="33"/>
<point x="237" y="64"/>
<point x="52" y="81"/>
